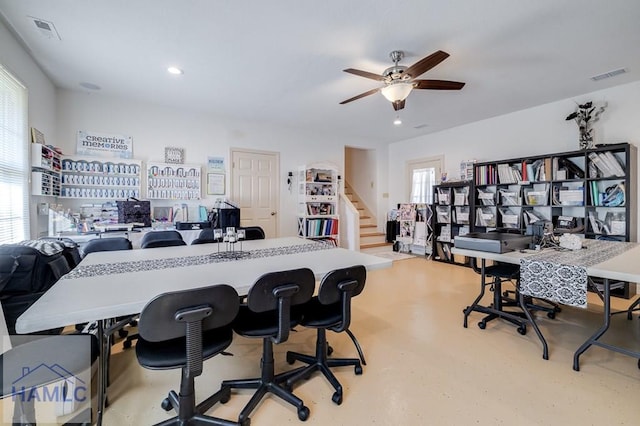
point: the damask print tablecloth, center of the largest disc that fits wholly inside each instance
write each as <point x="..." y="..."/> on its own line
<point x="177" y="262"/>
<point x="561" y="275"/>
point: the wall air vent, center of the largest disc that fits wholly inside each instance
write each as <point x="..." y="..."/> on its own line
<point x="45" y="28"/>
<point x="608" y="74"/>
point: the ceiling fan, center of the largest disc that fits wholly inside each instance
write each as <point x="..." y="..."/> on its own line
<point x="400" y="80"/>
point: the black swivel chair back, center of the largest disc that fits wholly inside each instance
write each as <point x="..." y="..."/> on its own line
<point x="206" y="236"/>
<point x="269" y="314"/>
<point x="162" y="243"/>
<point x="330" y="310"/>
<point x="254" y="233"/>
<point x="106" y="244"/>
<point x="181" y="329"/>
<point x="160" y="236"/>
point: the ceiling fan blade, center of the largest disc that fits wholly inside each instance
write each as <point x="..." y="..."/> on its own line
<point x="361" y="95"/>
<point x="438" y="84"/>
<point x="425" y="64"/>
<point x="398" y="105"/>
<point x="365" y="74"/>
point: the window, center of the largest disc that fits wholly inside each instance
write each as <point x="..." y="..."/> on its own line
<point x="422" y="177"/>
<point x="14" y="160"/>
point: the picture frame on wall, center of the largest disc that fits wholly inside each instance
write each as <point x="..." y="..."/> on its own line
<point x="173" y="155"/>
<point x="215" y="184"/>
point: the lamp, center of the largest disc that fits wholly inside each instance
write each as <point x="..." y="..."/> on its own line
<point x="397" y="91"/>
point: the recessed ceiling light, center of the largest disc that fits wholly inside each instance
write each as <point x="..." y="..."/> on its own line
<point x="90" y="86"/>
<point x="175" y="70"/>
<point x="397" y="121"/>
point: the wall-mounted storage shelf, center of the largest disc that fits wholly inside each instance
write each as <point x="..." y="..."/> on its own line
<point x="90" y="177"/>
<point x="45" y="170"/>
<point x="173" y="181"/>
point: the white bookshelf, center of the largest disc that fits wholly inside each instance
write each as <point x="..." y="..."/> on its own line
<point x="318" y="201"/>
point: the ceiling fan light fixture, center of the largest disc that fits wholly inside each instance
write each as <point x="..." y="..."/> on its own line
<point x="397" y="91"/>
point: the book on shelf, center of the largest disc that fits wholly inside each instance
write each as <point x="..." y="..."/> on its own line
<point x="606" y="163"/>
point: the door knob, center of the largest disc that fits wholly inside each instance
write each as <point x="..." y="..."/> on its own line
<point x="273" y="213"/>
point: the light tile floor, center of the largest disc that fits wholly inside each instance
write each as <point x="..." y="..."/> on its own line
<point x="423" y="367"/>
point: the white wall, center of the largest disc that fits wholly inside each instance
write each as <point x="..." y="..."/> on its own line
<point x="360" y="167"/>
<point x="533" y="131"/>
<point x="41" y="98"/>
<point x="155" y="127"/>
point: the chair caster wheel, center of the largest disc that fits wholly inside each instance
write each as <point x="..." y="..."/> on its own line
<point x="522" y="329"/>
<point x="329" y="350"/>
<point x="290" y="359"/>
<point x="166" y="405"/>
<point x="123" y="333"/>
<point x="337" y="398"/>
<point x="226" y="396"/>
<point x="551" y="315"/>
<point x="358" y="370"/>
<point x="126" y="344"/>
<point x="303" y="413"/>
<point x="482" y="325"/>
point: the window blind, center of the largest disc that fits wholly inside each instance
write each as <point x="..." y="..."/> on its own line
<point x="14" y="160"/>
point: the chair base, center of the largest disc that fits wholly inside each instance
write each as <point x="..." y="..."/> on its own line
<point x="495" y="310"/>
<point x="320" y="362"/>
<point x="191" y="414"/>
<point x="267" y="383"/>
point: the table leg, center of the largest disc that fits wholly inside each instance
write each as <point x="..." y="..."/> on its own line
<point x="103" y="360"/>
<point x="523" y="305"/>
<point x="471" y="307"/>
<point x="605" y="326"/>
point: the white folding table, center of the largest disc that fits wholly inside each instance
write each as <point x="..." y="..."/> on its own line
<point x="107" y="285"/>
<point x="623" y="267"/>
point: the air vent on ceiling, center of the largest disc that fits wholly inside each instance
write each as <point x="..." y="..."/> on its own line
<point x="45" y="28"/>
<point x="608" y="74"/>
<point x="420" y="126"/>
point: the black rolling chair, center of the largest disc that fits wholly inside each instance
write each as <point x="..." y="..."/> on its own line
<point x="329" y="310"/>
<point x="162" y="243"/>
<point x="181" y="329"/>
<point x="206" y="236"/>
<point x="106" y="244"/>
<point x="269" y="315"/>
<point x="109" y="244"/>
<point x="253" y="233"/>
<point x="148" y="239"/>
<point x="494" y="276"/>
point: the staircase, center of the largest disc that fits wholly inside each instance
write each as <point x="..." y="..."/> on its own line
<point x="369" y="235"/>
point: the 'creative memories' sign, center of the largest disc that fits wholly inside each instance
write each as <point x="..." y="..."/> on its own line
<point x="104" y="145"/>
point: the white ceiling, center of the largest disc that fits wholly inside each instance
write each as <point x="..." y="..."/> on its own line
<point x="281" y="61"/>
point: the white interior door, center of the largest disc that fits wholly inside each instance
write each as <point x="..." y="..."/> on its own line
<point x="255" y="188"/>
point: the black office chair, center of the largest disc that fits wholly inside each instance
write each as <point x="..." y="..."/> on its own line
<point x="149" y="237"/>
<point x="494" y="276"/>
<point x="106" y="244"/>
<point x="181" y="329"/>
<point x="253" y="233"/>
<point x="269" y="314"/>
<point x="109" y="244"/>
<point x="162" y="243"/>
<point x="329" y="310"/>
<point x="206" y="236"/>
